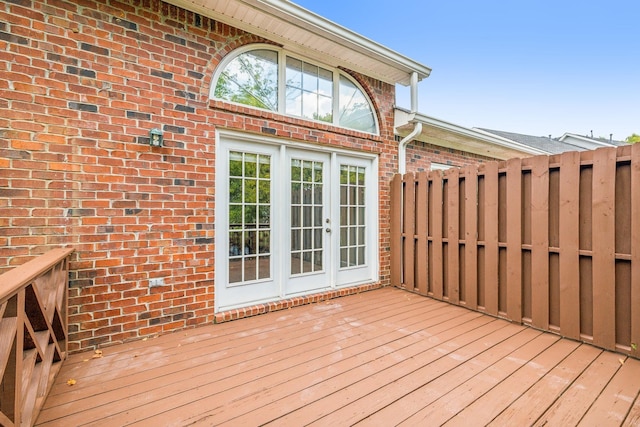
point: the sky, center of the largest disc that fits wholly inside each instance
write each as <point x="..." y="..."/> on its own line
<point x="535" y="67"/>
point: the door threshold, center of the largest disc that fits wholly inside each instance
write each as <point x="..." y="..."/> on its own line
<point x="283" y="304"/>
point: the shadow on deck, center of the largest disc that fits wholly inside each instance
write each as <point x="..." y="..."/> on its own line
<point x="385" y="357"/>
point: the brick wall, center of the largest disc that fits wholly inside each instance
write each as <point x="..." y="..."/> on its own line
<point x="420" y="155"/>
<point x="81" y="85"/>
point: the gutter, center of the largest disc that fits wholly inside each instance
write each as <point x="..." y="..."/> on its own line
<point x="417" y="129"/>
<point x="323" y="27"/>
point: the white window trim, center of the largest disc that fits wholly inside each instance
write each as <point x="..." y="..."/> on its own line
<point x="440" y="166"/>
<point x="282" y="58"/>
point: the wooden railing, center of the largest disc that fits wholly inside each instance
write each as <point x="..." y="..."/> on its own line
<point x="33" y="334"/>
<point x="553" y="242"/>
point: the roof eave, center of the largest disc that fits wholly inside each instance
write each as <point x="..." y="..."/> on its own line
<point x="496" y="146"/>
<point x="293" y="15"/>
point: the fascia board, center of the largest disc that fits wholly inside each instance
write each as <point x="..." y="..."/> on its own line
<point x="325" y="28"/>
<point x="584" y="139"/>
<point x="292" y="15"/>
<point x="473" y="133"/>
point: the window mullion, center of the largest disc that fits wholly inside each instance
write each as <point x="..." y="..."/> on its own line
<point x="336" y="97"/>
<point x="282" y="81"/>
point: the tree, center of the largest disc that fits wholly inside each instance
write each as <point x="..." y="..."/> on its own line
<point x="633" y="138"/>
<point x="250" y="79"/>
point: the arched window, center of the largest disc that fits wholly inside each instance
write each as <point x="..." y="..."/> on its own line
<point x="251" y="78"/>
<point x="273" y="80"/>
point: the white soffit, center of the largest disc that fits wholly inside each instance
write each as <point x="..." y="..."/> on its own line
<point x="303" y="32"/>
<point x="449" y="135"/>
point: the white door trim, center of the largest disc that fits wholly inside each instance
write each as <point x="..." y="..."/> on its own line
<point x="235" y="296"/>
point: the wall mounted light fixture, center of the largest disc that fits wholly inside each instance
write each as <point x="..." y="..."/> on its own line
<point x="155" y="137"/>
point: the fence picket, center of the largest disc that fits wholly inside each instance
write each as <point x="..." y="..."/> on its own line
<point x="514" y="239"/>
<point x="603" y="229"/>
<point x="569" y="236"/>
<point x="436" y="235"/>
<point x="491" y="238"/>
<point x="471" y="236"/>
<point x="635" y="250"/>
<point x="453" y="233"/>
<point x="422" y="230"/>
<point x="409" y="221"/>
<point x="396" y="243"/>
<point x="540" y="242"/>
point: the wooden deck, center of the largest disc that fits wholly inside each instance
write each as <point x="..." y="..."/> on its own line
<point x="385" y="357"/>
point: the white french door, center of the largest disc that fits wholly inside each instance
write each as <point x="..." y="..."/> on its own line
<point x="308" y="223"/>
<point x="291" y="221"/>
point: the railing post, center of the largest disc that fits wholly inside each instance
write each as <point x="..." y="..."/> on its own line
<point x="32" y="333"/>
<point x="19" y="365"/>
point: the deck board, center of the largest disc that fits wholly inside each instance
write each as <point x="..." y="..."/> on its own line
<point x="384" y="357"/>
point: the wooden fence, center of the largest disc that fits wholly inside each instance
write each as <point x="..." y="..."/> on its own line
<point x="33" y="334"/>
<point x="553" y="242"/>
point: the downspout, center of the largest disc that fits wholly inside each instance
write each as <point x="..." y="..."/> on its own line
<point x="402" y="145"/>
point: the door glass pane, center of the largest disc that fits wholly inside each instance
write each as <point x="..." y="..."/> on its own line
<point x="295" y="217"/>
<point x="249" y="222"/>
<point x="307" y="266"/>
<point x="250" y="269"/>
<point x="296" y="238"/>
<point x="296" y="262"/>
<point x="307" y="214"/>
<point x="264" y="267"/>
<point x="352" y="216"/>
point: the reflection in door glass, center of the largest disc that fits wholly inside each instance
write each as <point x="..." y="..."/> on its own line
<point x="306" y="216"/>
<point x="352" y="216"/>
<point x="249" y="217"/>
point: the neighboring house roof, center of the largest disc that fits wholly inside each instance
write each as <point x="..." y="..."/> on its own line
<point x="544" y="143"/>
<point x="567" y="142"/>
<point x="301" y="31"/>
<point x="590" y="142"/>
<point x="449" y="135"/>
